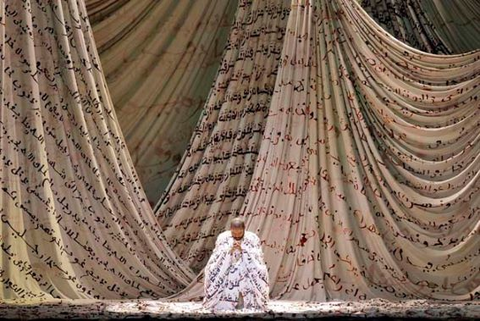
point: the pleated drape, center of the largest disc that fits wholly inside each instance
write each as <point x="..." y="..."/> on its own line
<point x="435" y="26"/>
<point x="75" y="222"/>
<point x="456" y="22"/>
<point x="366" y="180"/>
<point x="160" y="59"/>
<point x="213" y="177"/>
<point x="353" y="156"/>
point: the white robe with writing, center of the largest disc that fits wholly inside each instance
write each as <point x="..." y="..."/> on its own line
<point x="229" y="276"/>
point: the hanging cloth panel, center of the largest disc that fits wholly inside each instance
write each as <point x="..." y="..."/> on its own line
<point x="214" y="175"/>
<point x="160" y="59"/>
<point x="75" y="220"/>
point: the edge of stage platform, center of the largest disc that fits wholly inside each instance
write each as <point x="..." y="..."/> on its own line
<point x="377" y="309"/>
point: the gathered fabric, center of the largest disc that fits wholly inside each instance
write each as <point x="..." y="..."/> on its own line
<point x="354" y="158"/>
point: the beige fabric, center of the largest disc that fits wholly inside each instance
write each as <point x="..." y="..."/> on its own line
<point x="75" y="222"/>
<point x="366" y="183"/>
<point x="160" y="59"/>
<point x="354" y="157"/>
<point x="213" y="178"/>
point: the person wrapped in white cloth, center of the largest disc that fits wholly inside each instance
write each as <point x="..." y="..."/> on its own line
<point x="236" y="276"/>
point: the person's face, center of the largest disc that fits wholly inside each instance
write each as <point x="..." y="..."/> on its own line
<point x="237" y="232"/>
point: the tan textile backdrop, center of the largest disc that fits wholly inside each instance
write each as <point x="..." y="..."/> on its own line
<point x="164" y="81"/>
<point x="436" y="26"/>
<point x="160" y="59"/>
<point x="354" y="157"/>
<point x="457" y="22"/>
<point x="408" y="22"/>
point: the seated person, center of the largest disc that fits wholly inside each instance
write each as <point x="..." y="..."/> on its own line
<point x="236" y="275"/>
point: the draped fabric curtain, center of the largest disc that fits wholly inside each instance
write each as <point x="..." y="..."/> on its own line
<point x="214" y="175"/>
<point x="159" y="59"/>
<point x="75" y="221"/>
<point x="457" y="22"/>
<point x="409" y="22"/>
<point x="366" y="180"/>
<point x="353" y="156"/>
<point x="436" y="26"/>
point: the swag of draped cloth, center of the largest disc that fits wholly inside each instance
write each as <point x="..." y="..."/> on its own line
<point x="231" y="278"/>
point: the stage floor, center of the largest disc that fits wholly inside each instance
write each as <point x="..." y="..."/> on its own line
<point x="152" y="309"/>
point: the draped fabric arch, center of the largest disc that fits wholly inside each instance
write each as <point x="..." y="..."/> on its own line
<point x="436" y="26"/>
<point x="159" y="59"/>
<point x="366" y="179"/>
<point x="353" y="156"/>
